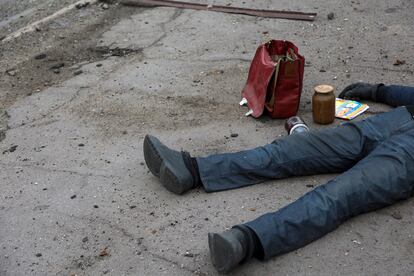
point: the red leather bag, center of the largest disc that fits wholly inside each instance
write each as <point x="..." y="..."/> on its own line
<point x="275" y="80"/>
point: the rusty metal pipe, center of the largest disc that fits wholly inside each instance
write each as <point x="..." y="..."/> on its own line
<point x="293" y="15"/>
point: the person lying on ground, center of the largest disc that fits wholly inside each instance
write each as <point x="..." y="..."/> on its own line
<point x="375" y="157"/>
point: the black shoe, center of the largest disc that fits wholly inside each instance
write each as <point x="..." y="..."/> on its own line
<point x="227" y="249"/>
<point x="169" y="165"/>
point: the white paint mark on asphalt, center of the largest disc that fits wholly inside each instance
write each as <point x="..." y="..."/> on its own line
<point x="31" y="27"/>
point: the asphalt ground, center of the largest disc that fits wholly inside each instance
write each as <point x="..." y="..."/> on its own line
<point x="77" y="198"/>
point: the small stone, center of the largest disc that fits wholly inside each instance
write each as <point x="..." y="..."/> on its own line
<point x="310" y="185"/>
<point x="81" y="145"/>
<point x="322" y="70"/>
<point x="390" y="10"/>
<point x="85" y="239"/>
<point x="78" y="72"/>
<point x="188" y="254"/>
<point x="57" y="65"/>
<point x="11" y="72"/>
<point x="234" y="135"/>
<point x="11" y="149"/>
<point x="56" y="71"/>
<point x="95" y="206"/>
<point x="73" y="197"/>
<point x="105" y="6"/>
<point x="331" y="16"/>
<point x="82" y="5"/>
<point x="40" y="56"/>
<point x="103" y="253"/>
<point x="399" y="62"/>
<point x="38" y="255"/>
<point x="397" y="215"/>
<point x="99" y="65"/>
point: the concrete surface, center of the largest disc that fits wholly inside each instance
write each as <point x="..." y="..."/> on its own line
<point x="77" y="198"/>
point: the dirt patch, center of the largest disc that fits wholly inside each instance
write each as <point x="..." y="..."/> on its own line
<point x="113" y="113"/>
<point x="61" y="49"/>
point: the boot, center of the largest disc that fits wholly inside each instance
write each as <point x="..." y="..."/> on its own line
<point x="175" y="169"/>
<point x="227" y="249"/>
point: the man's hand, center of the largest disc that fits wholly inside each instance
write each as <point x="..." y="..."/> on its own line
<point x="360" y="91"/>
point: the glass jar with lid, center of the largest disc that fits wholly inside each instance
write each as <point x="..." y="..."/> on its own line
<point x="323" y="104"/>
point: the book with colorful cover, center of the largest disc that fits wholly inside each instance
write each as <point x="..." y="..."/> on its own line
<point x="348" y="110"/>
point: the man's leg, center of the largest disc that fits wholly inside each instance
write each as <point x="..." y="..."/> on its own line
<point x="331" y="150"/>
<point x="327" y="151"/>
<point x="382" y="178"/>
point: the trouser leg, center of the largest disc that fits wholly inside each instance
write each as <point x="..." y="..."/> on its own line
<point x="382" y="178"/>
<point x="327" y="151"/>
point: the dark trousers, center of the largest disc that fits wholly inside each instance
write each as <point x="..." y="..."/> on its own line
<point x="375" y="158"/>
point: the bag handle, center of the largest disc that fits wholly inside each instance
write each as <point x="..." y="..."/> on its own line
<point x="290" y="56"/>
<point x="269" y="105"/>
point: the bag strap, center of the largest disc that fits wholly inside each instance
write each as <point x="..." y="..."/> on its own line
<point x="269" y="105"/>
<point x="290" y="56"/>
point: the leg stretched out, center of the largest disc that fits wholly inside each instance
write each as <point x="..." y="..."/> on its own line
<point x="327" y="151"/>
<point x="382" y="178"/>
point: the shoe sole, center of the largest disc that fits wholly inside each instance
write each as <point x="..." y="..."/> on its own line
<point x="152" y="156"/>
<point x="170" y="180"/>
<point x="222" y="253"/>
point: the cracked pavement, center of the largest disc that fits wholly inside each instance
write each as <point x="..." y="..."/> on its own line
<point x="77" y="198"/>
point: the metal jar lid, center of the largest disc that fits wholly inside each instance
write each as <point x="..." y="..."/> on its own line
<point x="324" y="89"/>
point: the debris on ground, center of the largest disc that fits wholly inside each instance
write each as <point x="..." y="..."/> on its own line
<point x="188" y="254"/>
<point x="57" y="65"/>
<point x="396" y="215"/>
<point x="293" y="15"/>
<point x="40" y="56"/>
<point x="104" y="252"/>
<point x="399" y="62"/>
<point x="82" y="5"/>
<point x="78" y="72"/>
<point x="11" y="149"/>
<point x="11" y="72"/>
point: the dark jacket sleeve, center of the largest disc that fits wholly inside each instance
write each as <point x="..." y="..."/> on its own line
<point x="395" y="95"/>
